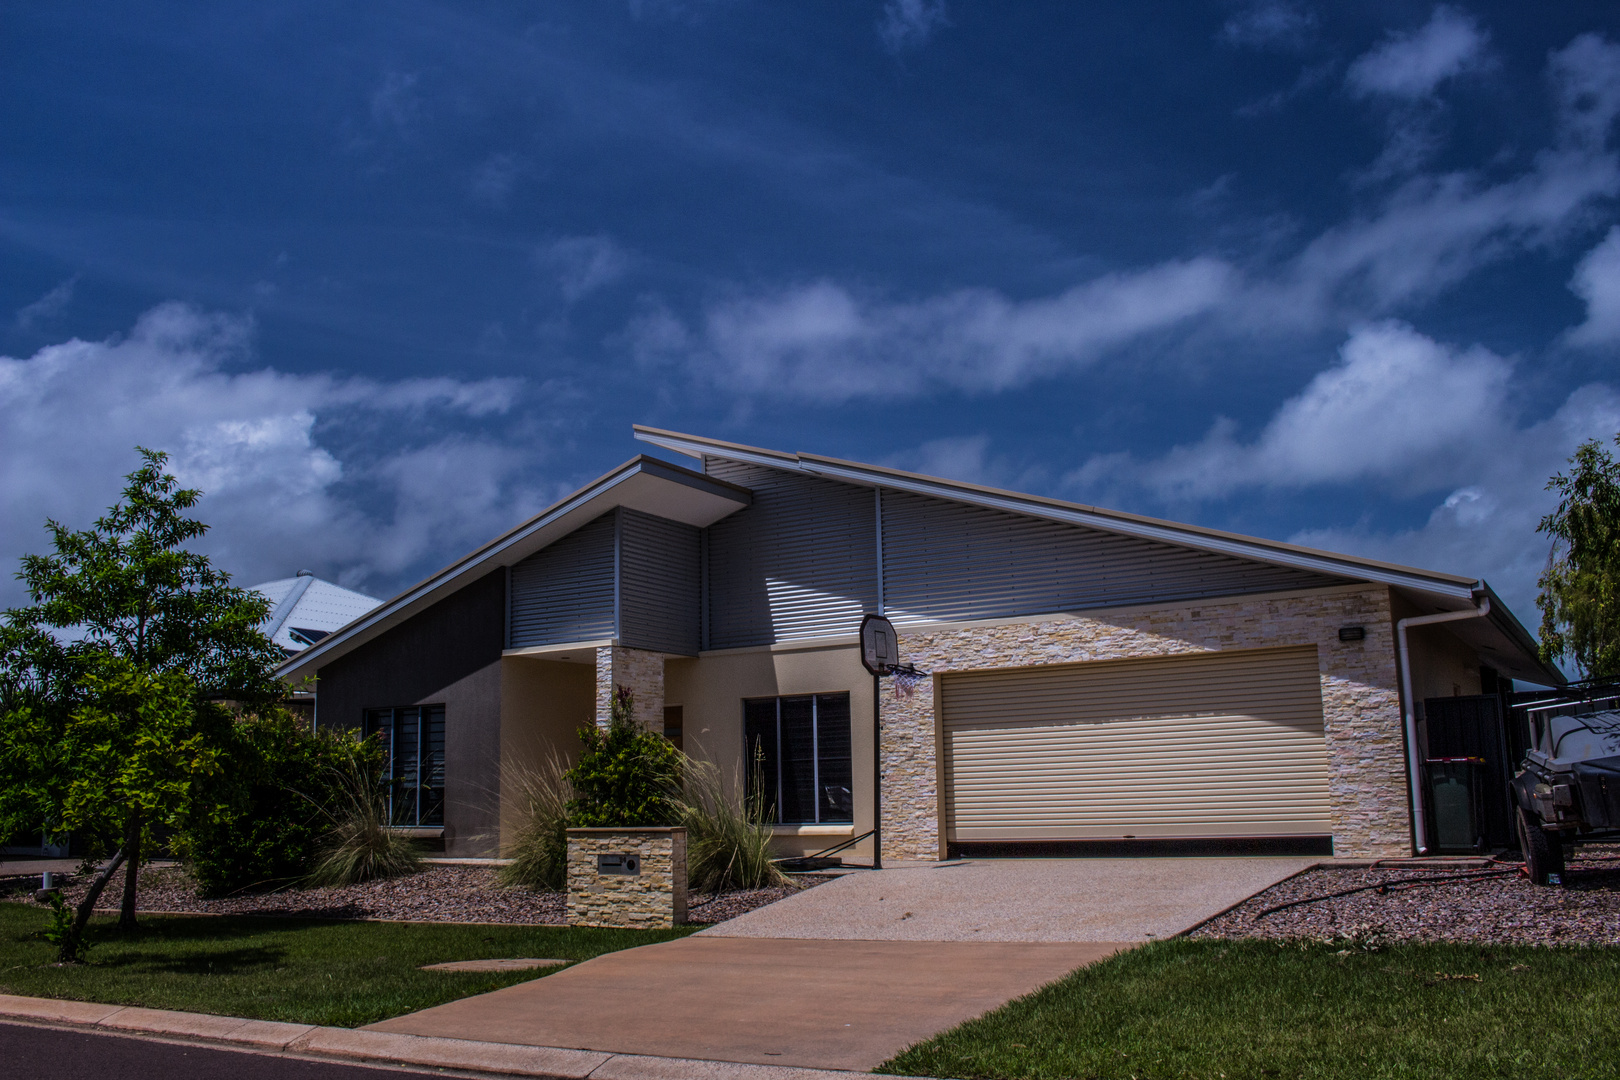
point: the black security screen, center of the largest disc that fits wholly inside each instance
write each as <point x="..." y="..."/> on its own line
<point x="413" y="739"/>
<point x="799" y="757"/>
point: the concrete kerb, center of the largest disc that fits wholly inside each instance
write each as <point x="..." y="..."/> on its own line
<point x="377" y="1047"/>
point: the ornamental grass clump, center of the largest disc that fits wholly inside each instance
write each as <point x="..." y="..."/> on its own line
<point x="360" y="845"/>
<point x="539" y="849"/>
<point x="728" y="832"/>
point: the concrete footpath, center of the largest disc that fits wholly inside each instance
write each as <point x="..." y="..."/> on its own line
<point x="303" y="1041"/>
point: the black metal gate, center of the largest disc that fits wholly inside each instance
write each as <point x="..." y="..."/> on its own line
<point x="1472" y="727"/>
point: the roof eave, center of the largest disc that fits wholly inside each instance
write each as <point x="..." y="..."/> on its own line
<point x="1235" y="544"/>
<point x="406" y="603"/>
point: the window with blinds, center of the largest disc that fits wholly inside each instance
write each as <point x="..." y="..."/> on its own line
<point x="413" y="739"/>
<point x="799" y="754"/>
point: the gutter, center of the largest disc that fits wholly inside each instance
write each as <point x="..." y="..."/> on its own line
<point x="1414" y="772"/>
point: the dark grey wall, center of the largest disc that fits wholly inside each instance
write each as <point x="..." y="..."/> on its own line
<point x="564" y="591"/>
<point x="659" y="584"/>
<point x="449" y="654"/>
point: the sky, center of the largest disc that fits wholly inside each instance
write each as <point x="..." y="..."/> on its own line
<point x="384" y="280"/>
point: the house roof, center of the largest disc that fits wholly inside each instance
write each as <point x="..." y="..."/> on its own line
<point x="669" y="491"/>
<point x="648" y="484"/>
<point x="1500" y="637"/>
<point x="305" y="609"/>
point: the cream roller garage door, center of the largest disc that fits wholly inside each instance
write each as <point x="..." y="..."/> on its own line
<point x="1206" y="744"/>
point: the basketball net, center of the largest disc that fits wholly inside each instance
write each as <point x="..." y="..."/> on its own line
<point x="905" y="683"/>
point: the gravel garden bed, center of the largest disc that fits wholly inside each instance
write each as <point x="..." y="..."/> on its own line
<point x="1494" y="905"/>
<point x="466" y="894"/>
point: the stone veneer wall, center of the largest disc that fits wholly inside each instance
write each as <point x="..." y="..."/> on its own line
<point x="640" y="671"/>
<point x="656" y="897"/>
<point x="1360" y="697"/>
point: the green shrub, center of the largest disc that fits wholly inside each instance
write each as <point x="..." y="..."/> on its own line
<point x="624" y="775"/>
<point x="359" y="845"/>
<point x="728" y="834"/>
<point x="262" y="817"/>
<point x="539" y="847"/>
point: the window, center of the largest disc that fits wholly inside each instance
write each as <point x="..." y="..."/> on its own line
<point x="801" y="745"/>
<point x="414" y="741"/>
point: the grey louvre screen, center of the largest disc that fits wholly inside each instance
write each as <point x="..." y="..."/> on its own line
<point x="947" y="561"/>
<point x="659" y="583"/>
<point x="799" y="562"/>
<point x="564" y="592"/>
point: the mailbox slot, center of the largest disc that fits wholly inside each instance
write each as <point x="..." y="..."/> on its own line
<point x="619" y="862"/>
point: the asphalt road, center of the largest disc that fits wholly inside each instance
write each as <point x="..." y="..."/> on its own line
<point x="58" y="1054"/>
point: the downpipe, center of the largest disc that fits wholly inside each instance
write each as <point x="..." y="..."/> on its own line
<point x="1414" y="768"/>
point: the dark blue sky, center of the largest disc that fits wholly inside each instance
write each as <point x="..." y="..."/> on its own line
<point x="385" y="279"/>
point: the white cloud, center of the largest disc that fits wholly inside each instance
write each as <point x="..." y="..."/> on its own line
<point x="1270" y="25"/>
<point x="1414" y="64"/>
<point x="1435" y="230"/>
<point x="277" y="494"/>
<point x="822" y="342"/>
<point x="580" y="265"/>
<point x="1597" y="281"/>
<point x="493" y="180"/>
<point x="1399" y="407"/>
<point x="827" y="342"/>
<point x="395" y="102"/>
<point x="1409" y="415"/>
<point x="908" y="24"/>
<point x="1487" y="527"/>
<point x="47" y="307"/>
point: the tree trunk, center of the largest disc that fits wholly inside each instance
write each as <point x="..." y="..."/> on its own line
<point x="88" y="905"/>
<point x="132" y="869"/>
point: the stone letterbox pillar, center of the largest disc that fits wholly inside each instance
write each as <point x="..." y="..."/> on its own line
<point x="627" y="877"/>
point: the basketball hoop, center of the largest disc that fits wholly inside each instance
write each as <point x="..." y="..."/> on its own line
<point x="906" y="679"/>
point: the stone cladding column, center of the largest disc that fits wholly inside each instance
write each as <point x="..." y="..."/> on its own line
<point x="637" y="670"/>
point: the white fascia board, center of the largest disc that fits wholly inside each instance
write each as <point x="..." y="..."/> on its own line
<point x="693" y="448"/>
<point x="1323" y="563"/>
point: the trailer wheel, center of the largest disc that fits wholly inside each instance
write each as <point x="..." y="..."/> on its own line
<point x="1543" y="852"/>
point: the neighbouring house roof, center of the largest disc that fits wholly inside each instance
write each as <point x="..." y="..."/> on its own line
<point x="306" y="609"/>
<point x="657" y="487"/>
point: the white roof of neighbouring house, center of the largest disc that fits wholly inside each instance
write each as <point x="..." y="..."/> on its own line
<point x="306" y="609"/>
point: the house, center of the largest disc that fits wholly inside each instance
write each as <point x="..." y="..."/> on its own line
<point x="304" y="609"/>
<point x="1094" y="676"/>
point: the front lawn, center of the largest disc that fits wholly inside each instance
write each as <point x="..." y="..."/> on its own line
<point x="1258" y="1009"/>
<point x="313" y="972"/>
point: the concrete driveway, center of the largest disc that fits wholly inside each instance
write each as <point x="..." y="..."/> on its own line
<point x="814" y="1004"/>
<point x="1116" y="900"/>
<point x="848" y="974"/>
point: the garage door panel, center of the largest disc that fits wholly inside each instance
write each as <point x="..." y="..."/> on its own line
<point x="1224" y="744"/>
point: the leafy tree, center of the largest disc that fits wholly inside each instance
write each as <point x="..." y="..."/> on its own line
<point x="624" y="774"/>
<point x="1580" y="587"/>
<point x="109" y="682"/>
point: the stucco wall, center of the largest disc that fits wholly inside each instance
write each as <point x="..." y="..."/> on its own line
<point x="544" y="703"/>
<point x="449" y="654"/>
<point x="1360" y="699"/>
<point x="711" y="690"/>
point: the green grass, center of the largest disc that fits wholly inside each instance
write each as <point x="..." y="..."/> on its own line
<point x="313" y="972"/>
<point x="1255" y="1009"/>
